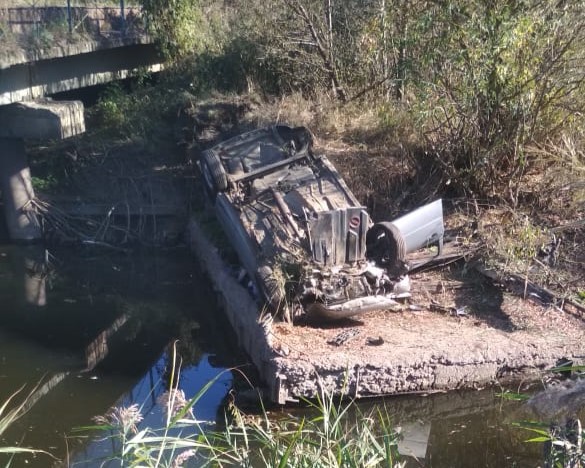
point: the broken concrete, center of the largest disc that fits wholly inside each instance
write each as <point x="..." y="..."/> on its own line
<point x="418" y="351"/>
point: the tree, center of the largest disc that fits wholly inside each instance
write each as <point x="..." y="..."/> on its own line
<point x="180" y="26"/>
<point x="496" y="76"/>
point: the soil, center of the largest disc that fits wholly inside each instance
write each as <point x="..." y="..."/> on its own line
<point x="495" y="327"/>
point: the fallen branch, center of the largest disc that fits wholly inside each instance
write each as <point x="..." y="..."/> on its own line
<point x="523" y="287"/>
<point x="76" y="228"/>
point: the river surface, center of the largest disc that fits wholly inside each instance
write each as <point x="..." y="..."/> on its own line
<point x="84" y="330"/>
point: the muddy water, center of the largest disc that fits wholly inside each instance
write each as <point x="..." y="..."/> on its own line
<point x="469" y="429"/>
<point x="82" y="331"/>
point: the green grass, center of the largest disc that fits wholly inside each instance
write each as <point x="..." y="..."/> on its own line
<point x="564" y="444"/>
<point x="337" y="435"/>
<point x="9" y="414"/>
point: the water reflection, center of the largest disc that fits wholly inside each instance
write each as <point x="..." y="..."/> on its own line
<point x="82" y="332"/>
<point x="457" y="429"/>
<point x="463" y="429"/>
<point x="147" y="393"/>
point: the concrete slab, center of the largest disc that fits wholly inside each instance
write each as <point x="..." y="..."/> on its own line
<point x="44" y="119"/>
<point x="402" y="351"/>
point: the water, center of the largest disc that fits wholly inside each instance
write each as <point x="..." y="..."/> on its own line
<point x="82" y="331"/>
<point x="467" y="429"/>
<point x="96" y="330"/>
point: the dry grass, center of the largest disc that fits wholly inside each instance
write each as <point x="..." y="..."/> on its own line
<point x="556" y="182"/>
<point x="549" y="210"/>
<point x="372" y="147"/>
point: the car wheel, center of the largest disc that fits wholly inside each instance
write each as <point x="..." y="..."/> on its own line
<point x="214" y="176"/>
<point x="272" y="291"/>
<point x="385" y="244"/>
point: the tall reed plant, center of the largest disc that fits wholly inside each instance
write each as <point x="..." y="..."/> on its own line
<point x="9" y="414"/>
<point x="338" y="434"/>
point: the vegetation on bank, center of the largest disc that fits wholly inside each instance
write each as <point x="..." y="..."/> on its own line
<point x="478" y="90"/>
<point x="10" y="412"/>
<point x="479" y="102"/>
<point x="337" y="435"/>
<point x="330" y="439"/>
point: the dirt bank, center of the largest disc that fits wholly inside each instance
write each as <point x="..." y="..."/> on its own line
<point x="421" y="347"/>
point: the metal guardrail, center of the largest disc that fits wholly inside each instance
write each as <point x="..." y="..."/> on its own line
<point x="95" y="20"/>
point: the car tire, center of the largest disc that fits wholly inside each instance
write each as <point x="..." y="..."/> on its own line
<point x="385" y="244"/>
<point x="272" y="292"/>
<point x="214" y="175"/>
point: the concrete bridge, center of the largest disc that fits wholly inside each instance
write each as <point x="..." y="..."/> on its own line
<point x="111" y="46"/>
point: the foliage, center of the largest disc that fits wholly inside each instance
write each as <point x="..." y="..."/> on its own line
<point x="44" y="184"/>
<point x="147" y="113"/>
<point x="498" y="76"/>
<point x="181" y="27"/>
<point x="161" y="447"/>
<point x="4" y="30"/>
<point x="512" y="396"/>
<point x="564" y="446"/>
<point x="563" y="435"/>
<point x="483" y="80"/>
<point x="8" y="416"/>
<point x="113" y="108"/>
<point x="47" y="35"/>
<point x="334" y="437"/>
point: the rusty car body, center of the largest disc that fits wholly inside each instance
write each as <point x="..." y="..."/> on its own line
<point x="306" y="243"/>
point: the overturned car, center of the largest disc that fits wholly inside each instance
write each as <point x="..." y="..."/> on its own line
<point x="306" y="243"/>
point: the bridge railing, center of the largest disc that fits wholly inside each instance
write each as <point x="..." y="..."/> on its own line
<point x="94" y="20"/>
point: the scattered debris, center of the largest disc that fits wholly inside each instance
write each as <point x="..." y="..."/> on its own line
<point x="451" y="310"/>
<point x="343" y="337"/>
<point x="528" y="290"/>
<point x="374" y="341"/>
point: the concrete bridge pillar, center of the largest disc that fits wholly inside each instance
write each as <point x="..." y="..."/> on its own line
<point x="38" y="120"/>
<point x="17" y="191"/>
<point x="30" y="266"/>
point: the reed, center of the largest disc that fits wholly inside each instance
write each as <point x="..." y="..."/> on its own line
<point x="337" y="434"/>
<point x="9" y="414"/>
